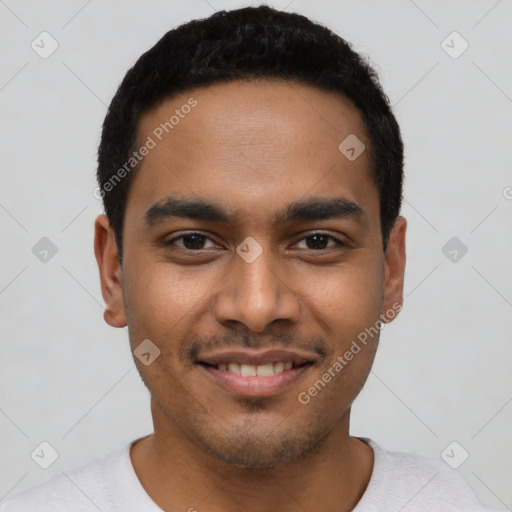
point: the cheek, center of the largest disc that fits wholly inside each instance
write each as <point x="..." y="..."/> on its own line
<point x="349" y="304"/>
<point x="163" y="301"/>
<point x="348" y="298"/>
<point x="163" y="304"/>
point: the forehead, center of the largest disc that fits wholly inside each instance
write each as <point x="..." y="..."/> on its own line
<point x="248" y="112"/>
<point x="251" y="144"/>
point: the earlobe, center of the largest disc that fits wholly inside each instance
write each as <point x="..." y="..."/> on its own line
<point x="394" y="271"/>
<point x="105" y="250"/>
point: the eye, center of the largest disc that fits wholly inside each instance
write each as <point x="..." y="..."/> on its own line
<point x="191" y="241"/>
<point x="319" y="241"/>
<point x="197" y="242"/>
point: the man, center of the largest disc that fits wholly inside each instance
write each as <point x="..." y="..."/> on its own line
<point x="251" y="173"/>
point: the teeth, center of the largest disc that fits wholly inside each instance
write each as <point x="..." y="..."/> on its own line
<point x="251" y="370"/>
<point x="265" y="370"/>
<point x="278" y="367"/>
<point x="247" y="370"/>
<point x="234" y="368"/>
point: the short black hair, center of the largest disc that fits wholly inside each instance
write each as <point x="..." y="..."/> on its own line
<point x="245" y="44"/>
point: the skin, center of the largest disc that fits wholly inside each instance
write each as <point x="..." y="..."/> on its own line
<point x="253" y="148"/>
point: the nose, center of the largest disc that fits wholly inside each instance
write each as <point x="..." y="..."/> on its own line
<point x="256" y="294"/>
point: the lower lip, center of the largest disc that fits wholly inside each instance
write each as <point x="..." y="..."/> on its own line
<point x="256" y="386"/>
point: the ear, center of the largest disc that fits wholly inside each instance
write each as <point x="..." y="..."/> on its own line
<point x="394" y="271"/>
<point x="105" y="250"/>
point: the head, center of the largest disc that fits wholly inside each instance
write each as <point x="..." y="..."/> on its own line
<point x="251" y="173"/>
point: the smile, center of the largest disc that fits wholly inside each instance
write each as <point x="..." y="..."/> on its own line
<point x="252" y="374"/>
<point x="251" y="370"/>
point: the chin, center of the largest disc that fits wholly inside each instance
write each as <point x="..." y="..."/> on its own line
<point x="258" y="450"/>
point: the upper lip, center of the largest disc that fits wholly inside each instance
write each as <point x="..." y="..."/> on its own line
<point x="256" y="358"/>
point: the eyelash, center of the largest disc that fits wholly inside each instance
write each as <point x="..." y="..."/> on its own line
<point x="339" y="243"/>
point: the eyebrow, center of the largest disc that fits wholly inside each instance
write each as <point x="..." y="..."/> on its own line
<point x="311" y="209"/>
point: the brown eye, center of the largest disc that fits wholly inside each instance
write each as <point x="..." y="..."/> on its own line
<point x="319" y="241"/>
<point x="191" y="241"/>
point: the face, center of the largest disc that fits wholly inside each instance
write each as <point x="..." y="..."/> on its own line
<point x="252" y="260"/>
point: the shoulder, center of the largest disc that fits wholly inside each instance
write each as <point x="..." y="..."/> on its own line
<point x="82" y="489"/>
<point x="411" y="483"/>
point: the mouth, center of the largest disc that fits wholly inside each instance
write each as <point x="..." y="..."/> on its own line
<point x="253" y="374"/>
<point x="252" y="370"/>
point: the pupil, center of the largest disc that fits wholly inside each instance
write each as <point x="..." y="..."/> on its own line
<point x="318" y="237"/>
<point x="197" y="240"/>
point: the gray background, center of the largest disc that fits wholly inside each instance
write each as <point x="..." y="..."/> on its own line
<point x="442" y="373"/>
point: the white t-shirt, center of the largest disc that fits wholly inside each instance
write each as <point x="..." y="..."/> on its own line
<point x="399" y="482"/>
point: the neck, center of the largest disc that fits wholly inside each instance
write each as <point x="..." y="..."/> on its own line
<point x="179" y="475"/>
